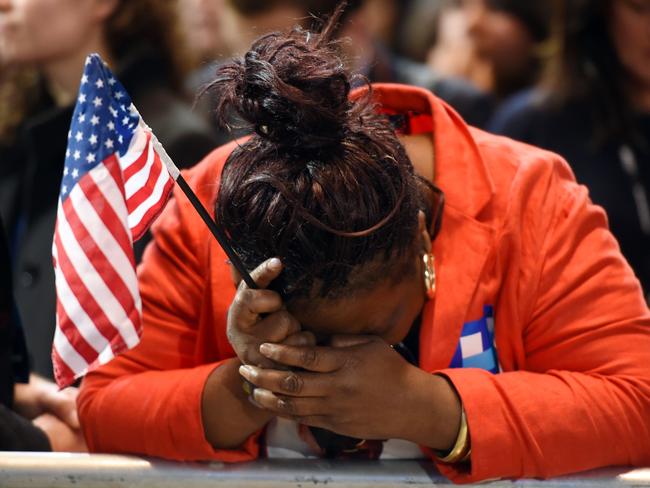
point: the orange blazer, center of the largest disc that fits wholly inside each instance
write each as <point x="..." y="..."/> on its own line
<point x="572" y="330"/>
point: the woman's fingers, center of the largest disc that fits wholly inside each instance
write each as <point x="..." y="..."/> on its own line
<point x="303" y="338"/>
<point x="266" y="272"/>
<point x="249" y="304"/>
<point x="63" y="405"/>
<point x="276" y="327"/>
<point x="293" y="407"/>
<point x="292" y="383"/>
<point x="255" y="302"/>
<point x="317" y="359"/>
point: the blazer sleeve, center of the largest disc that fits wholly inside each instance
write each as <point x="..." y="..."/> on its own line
<point x="148" y="400"/>
<point x="582" y="400"/>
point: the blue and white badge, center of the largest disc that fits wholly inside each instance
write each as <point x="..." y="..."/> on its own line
<point x="476" y="347"/>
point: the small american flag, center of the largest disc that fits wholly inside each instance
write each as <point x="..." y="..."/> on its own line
<point x="116" y="180"/>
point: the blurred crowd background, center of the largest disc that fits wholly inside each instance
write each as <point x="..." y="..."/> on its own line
<point x="571" y="76"/>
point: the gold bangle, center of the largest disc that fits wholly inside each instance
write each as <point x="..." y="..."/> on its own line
<point x="461" y="450"/>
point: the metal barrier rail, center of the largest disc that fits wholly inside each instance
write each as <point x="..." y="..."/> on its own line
<point x="20" y="470"/>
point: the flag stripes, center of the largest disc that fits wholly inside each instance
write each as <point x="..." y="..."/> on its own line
<point x="114" y="184"/>
<point x="144" y="188"/>
<point x="105" y="269"/>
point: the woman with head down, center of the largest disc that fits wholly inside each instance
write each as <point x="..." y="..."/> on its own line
<point x="425" y="290"/>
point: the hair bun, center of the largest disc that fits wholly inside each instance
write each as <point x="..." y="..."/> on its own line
<point x="291" y="88"/>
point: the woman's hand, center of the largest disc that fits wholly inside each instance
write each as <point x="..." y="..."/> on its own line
<point x="359" y="387"/>
<point x="62" y="437"/>
<point x="41" y="396"/>
<point x="258" y="316"/>
<point x="52" y="410"/>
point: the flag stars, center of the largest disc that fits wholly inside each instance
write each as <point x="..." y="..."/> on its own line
<point x="81" y="118"/>
<point x="125" y="120"/>
<point x="84" y="79"/>
<point x="111" y="125"/>
<point x="75" y="173"/>
<point x="82" y="98"/>
<point x="97" y="102"/>
<point x="67" y="155"/>
<point x="65" y="170"/>
<point x="64" y="189"/>
<point x="94" y="120"/>
<point x="109" y="143"/>
<point x="112" y="111"/>
<point x="90" y="158"/>
<point x="120" y="139"/>
<point x="119" y="95"/>
<point x="79" y="136"/>
<point x="77" y="155"/>
<point x="93" y="139"/>
<point x="99" y="83"/>
<point x="111" y="81"/>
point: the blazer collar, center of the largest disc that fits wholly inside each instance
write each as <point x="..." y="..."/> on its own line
<point x="459" y="167"/>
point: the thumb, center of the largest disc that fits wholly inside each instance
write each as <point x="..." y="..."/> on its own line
<point x="266" y="272"/>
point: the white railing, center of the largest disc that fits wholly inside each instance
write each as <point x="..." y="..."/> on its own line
<point x="20" y="470"/>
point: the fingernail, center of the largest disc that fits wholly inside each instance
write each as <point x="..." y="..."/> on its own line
<point x="275" y="264"/>
<point x="253" y="402"/>
<point x="267" y="349"/>
<point x="259" y="392"/>
<point x="247" y="371"/>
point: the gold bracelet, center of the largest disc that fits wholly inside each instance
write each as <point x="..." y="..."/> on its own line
<point x="462" y="449"/>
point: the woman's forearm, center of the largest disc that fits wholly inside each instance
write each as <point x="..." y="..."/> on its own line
<point x="229" y="418"/>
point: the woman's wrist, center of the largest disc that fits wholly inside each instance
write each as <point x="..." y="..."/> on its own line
<point x="433" y="415"/>
<point x="229" y="417"/>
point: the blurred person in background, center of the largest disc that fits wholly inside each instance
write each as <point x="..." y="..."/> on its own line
<point x="201" y="22"/>
<point x="383" y="20"/>
<point x="34" y="415"/>
<point x="43" y="46"/>
<point x="436" y="33"/>
<point x="363" y="22"/>
<point x="508" y="35"/>
<point x="418" y="29"/>
<point x="594" y="109"/>
<point x="245" y="20"/>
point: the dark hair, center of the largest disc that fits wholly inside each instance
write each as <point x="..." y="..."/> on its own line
<point x="587" y="68"/>
<point x="535" y="15"/>
<point x="323" y="183"/>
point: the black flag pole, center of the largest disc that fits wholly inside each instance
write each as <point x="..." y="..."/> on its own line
<point x="217" y="232"/>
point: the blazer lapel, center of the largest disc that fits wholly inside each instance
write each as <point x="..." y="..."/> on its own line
<point x="461" y="251"/>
